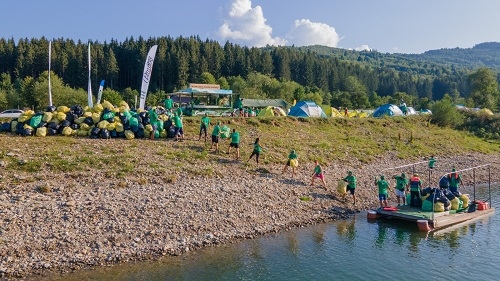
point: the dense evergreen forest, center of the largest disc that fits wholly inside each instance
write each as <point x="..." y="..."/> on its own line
<point x="338" y="77"/>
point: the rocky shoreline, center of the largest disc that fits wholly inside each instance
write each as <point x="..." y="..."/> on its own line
<point x="85" y="222"/>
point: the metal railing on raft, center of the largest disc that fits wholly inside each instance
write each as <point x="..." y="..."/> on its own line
<point x="473" y="183"/>
<point x="413" y="170"/>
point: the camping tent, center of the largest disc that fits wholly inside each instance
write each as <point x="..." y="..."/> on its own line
<point x="387" y="110"/>
<point x="411" y="111"/>
<point x="306" y="109"/>
<point x="272" y="111"/>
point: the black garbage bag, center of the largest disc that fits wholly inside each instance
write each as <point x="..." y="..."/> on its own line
<point x="43" y="124"/>
<point x="89" y="121"/>
<point x="167" y="124"/>
<point x="134" y="129"/>
<point x="121" y="134"/>
<point x="95" y="131"/>
<point x="65" y="123"/>
<point x="445" y="201"/>
<point x="20" y="125"/>
<point x="113" y="133"/>
<point x="77" y="110"/>
<point x="123" y="119"/>
<point x="146" y="121"/>
<point x="171" y="133"/>
<point x="140" y="133"/>
<point x="448" y="194"/>
<point x="427" y="190"/>
<point x="105" y="134"/>
<point x="127" y="127"/>
<point x="51" y="132"/>
<point x="27" y="132"/>
<point x="75" y="126"/>
<point x="143" y="114"/>
<point x="51" y="108"/>
<point x="139" y="119"/>
<point x="5" y="127"/>
<point x="53" y="125"/>
<point x="71" y="117"/>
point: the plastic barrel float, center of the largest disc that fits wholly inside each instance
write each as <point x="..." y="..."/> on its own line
<point x="372" y="215"/>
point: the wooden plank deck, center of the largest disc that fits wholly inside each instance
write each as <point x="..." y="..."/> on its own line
<point x="440" y="220"/>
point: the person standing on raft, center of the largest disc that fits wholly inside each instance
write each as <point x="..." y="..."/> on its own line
<point x="383" y="187"/>
<point x="401" y="186"/>
<point x="455" y="180"/>
<point x="415" y="191"/>
<point x="351" y="185"/>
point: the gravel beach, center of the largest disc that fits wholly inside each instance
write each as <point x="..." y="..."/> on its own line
<point x="93" y="221"/>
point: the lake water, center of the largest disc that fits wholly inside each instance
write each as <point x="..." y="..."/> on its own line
<point x="353" y="249"/>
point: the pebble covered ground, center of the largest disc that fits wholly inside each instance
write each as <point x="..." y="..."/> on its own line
<point x="93" y="221"/>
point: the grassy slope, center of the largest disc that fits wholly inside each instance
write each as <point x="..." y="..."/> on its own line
<point x="324" y="139"/>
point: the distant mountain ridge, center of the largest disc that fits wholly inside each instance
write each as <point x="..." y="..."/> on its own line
<point x="481" y="55"/>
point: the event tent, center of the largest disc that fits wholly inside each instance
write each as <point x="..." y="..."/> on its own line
<point x="387" y="110"/>
<point x="306" y="109"/>
<point x="272" y="111"/>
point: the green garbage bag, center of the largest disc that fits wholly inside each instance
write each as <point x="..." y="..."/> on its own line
<point x="36" y="120"/>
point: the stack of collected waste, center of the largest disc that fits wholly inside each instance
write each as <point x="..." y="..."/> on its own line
<point x="443" y="200"/>
<point x="101" y="121"/>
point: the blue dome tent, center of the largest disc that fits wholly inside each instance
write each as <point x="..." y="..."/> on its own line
<point x="306" y="109"/>
<point x="387" y="110"/>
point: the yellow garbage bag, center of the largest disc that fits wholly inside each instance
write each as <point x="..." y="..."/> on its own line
<point x="111" y="126"/>
<point x="63" y="109"/>
<point x="465" y="200"/>
<point x="455" y="203"/>
<point x="341" y="187"/>
<point x="67" y="131"/>
<point x="438" y="207"/>
<point x="108" y="105"/>
<point x="87" y="114"/>
<point x="61" y="116"/>
<point x="129" y="134"/>
<point x="13" y="125"/>
<point x="98" y="108"/>
<point x="47" y="117"/>
<point x="82" y="133"/>
<point x="119" y="127"/>
<point x="103" y="124"/>
<point x="96" y="117"/>
<point x="41" y="132"/>
<point x="79" y="120"/>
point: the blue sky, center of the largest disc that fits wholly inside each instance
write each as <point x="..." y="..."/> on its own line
<point x="402" y="26"/>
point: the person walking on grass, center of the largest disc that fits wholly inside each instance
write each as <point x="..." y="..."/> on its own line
<point x="383" y="187"/>
<point x="318" y="173"/>
<point x="235" y="142"/>
<point x="205" y="123"/>
<point x="179" y="131"/>
<point x="401" y="185"/>
<point x="215" y="137"/>
<point x="292" y="157"/>
<point x="256" y="151"/>
<point x="351" y="185"/>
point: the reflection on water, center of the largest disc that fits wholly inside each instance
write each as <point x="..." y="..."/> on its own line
<point x="353" y="249"/>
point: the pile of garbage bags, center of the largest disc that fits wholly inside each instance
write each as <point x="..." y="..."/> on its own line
<point x="101" y="121"/>
<point x="441" y="200"/>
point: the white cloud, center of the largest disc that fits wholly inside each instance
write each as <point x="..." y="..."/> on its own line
<point x="363" y="48"/>
<point x="247" y="25"/>
<point x="306" y="33"/>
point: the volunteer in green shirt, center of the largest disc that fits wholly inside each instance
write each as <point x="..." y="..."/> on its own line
<point x="431" y="162"/>
<point x="205" y="123"/>
<point x="383" y="187"/>
<point x="153" y="119"/>
<point x="235" y="142"/>
<point x="455" y="180"/>
<point x="179" y="111"/>
<point x="215" y="137"/>
<point x="179" y="132"/>
<point x="401" y="185"/>
<point x="256" y="151"/>
<point x="291" y="156"/>
<point x="318" y="173"/>
<point x="169" y="103"/>
<point x="351" y="185"/>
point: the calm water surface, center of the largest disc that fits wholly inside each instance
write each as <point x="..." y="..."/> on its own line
<point x="354" y="249"/>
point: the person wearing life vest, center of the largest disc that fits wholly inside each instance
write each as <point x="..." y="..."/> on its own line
<point x="415" y="191"/>
<point x="455" y="180"/>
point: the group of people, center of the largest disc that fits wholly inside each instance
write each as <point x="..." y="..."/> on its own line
<point x="414" y="184"/>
